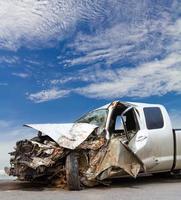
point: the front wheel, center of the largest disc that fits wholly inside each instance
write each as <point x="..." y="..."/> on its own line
<point x="72" y="172"/>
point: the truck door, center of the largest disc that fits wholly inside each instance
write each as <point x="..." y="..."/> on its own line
<point x="153" y="142"/>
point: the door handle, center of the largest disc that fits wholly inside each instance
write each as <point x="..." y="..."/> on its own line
<point x="141" y="138"/>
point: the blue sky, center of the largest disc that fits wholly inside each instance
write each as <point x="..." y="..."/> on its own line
<point x="61" y="58"/>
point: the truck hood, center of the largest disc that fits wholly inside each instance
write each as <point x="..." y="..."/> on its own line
<point x="69" y="135"/>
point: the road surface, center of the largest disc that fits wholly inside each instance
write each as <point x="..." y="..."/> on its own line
<point x="148" y="188"/>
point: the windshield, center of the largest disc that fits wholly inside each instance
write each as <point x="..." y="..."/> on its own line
<point x="96" y="117"/>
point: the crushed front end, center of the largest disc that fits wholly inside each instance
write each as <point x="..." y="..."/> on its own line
<point x="38" y="159"/>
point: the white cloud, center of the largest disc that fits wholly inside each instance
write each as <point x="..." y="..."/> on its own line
<point x="158" y="77"/>
<point x="110" y="46"/>
<point x="47" y="95"/>
<point x="24" y="23"/>
<point x="153" y="78"/>
<point x="8" y="59"/>
<point x="135" y="35"/>
<point x="63" y="80"/>
<point x="21" y="75"/>
<point x="29" y="20"/>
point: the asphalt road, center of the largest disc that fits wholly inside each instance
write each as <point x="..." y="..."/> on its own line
<point x="148" y="188"/>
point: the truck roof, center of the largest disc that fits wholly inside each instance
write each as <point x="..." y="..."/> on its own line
<point x="135" y="104"/>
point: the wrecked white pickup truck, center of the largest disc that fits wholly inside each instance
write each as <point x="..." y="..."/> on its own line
<point x="119" y="139"/>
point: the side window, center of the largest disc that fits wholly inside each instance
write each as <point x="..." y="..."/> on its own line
<point x="154" y="118"/>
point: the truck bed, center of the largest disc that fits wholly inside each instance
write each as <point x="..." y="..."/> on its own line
<point x="177" y="149"/>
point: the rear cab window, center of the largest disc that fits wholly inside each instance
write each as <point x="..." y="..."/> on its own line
<point x="154" y="118"/>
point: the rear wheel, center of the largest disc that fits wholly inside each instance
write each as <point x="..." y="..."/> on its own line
<point x="72" y="172"/>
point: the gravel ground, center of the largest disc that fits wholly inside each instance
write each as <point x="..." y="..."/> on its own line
<point x="148" y="188"/>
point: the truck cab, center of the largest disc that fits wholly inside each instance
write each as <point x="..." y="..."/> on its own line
<point x="146" y="129"/>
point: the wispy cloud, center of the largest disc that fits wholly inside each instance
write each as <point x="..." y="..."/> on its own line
<point x="24" y="23"/>
<point x="158" y="77"/>
<point x="31" y="23"/>
<point x="21" y="75"/>
<point x="135" y="43"/>
<point x="47" y="95"/>
<point x="155" y="77"/>
<point x="110" y="46"/>
<point x="111" y="36"/>
<point x="141" y="45"/>
<point x="8" y="59"/>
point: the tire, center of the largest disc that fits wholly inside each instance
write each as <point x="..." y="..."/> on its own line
<point x="72" y="172"/>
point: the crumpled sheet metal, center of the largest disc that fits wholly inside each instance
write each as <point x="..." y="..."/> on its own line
<point x="36" y="162"/>
<point x="69" y="135"/>
<point x="115" y="161"/>
<point x="93" y="145"/>
<point x="103" y="159"/>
